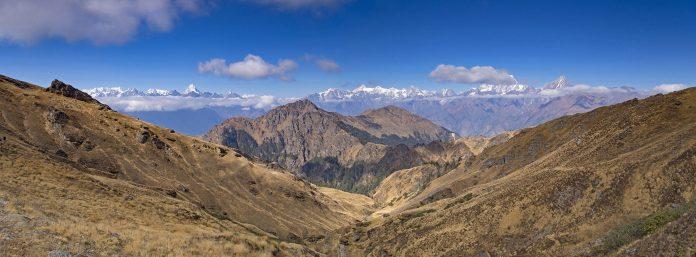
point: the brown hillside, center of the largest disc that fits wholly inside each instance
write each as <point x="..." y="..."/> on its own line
<point x="102" y="145"/>
<point x="564" y="188"/>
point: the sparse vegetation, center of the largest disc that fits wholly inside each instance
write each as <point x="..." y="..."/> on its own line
<point x="415" y="214"/>
<point x="460" y="200"/>
<point x="640" y="228"/>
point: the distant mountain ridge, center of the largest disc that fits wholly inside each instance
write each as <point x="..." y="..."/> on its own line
<point x="485" y="110"/>
<point x="191" y="91"/>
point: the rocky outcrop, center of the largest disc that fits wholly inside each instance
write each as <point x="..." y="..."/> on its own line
<point x="58" y="87"/>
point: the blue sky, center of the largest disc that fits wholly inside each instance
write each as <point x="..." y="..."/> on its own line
<point x="392" y="43"/>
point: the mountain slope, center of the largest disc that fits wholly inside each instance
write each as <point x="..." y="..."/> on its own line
<point x="210" y="178"/>
<point x="351" y="153"/>
<point x="558" y="189"/>
<point x="401" y="186"/>
<point x="50" y="207"/>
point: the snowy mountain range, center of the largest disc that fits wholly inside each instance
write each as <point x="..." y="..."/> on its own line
<point x="483" y="110"/>
<point x="556" y="87"/>
<point x="191" y="91"/>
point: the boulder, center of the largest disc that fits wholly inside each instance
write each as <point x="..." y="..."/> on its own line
<point x="61" y="153"/>
<point x="57" y="117"/>
<point x="143" y="136"/>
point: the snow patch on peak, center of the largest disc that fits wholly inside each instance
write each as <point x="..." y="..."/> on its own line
<point x="191" y="89"/>
<point x="560" y="82"/>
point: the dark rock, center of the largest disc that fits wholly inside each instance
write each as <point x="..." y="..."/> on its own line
<point x="237" y="155"/>
<point x="159" y="144"/>
<point x="171" y="192"/>
<point x="172" y="131"/>
<point x="58" y="87"/>
<point x="61" y="153"/>
<point x="57" y="117"/>
<point x="222" y="151"/>
<point x="143" y="136"/>
<point x="129" y="197"/>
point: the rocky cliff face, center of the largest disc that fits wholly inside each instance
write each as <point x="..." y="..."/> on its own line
<point x="348" y="152"/>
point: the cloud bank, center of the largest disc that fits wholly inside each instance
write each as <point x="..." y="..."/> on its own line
<point x="97" y="21"/>
<point x="444" y="73"/>
<point x="252" y="67"/>
<point x="667" y="88"/>
<point x="173" y="103"/>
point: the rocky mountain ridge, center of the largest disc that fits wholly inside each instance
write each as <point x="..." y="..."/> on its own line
<point x="347" y="152"/>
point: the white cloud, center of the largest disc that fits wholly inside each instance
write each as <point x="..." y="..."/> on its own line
<point x="252" y="67"/>
<point x="667" y="88"/>
<point x="98" y="21"/>
<point x="585" y="89"/>
<point x="477" y="74"/>
<point x="322" y="63"/>
<point x="298" y="4"/>
<point x="173" y="103"/>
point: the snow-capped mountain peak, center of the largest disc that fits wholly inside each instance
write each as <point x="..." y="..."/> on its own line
<point x="191" y="90"/>
<point x="514" y="89"/>
<point x="112" y="92"/>
<point x="560" y="82"/>
<point x="161" y="92"/>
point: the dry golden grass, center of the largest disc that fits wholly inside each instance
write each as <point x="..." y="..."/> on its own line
<point x="50" y="206"/>
<point x="213" y="177"/>
<point x="79" y="178"/>
<point x="553" y="190"/>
